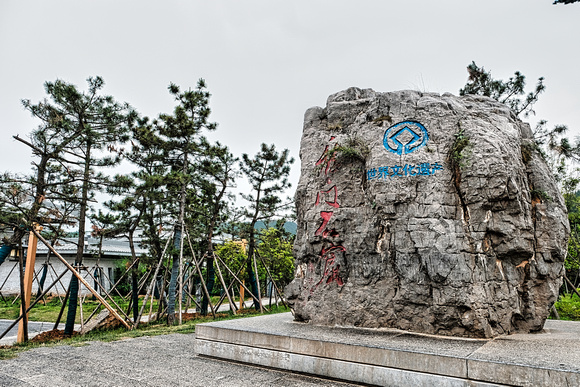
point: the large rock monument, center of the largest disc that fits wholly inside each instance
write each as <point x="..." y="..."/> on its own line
<point x="425" y="212"/>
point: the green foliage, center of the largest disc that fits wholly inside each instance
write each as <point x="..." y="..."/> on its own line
<point x="180" y="133"/>
<point x="568" y="307"/>
<point x="267" y="173"/>
<point x="509" y="92"/>
<point x="234" y="255"/>
<point x="214" y="174"/>
<point x="538" y="194"/>
<point x="80" y="133"/>
<point x="353" y="149"/>
<point x="551" y="143"/>
<point x="571" y="195"/>
<point x="83" y="131"/>
<point x="556" y="148"/>
<point x="275" y="248"/>
<point x="460" y="148"/>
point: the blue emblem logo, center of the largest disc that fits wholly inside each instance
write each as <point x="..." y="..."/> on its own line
<point x="405" y="137"/>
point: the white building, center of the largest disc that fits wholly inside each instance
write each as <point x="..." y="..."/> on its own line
<point x="114" y="254"/>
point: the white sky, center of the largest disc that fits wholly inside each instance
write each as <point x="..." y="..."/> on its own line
<point x="266" y="62"/>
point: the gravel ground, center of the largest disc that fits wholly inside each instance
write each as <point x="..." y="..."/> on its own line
<point x="167" y="360"/>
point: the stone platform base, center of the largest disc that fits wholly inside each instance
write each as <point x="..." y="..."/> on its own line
<point x="388" y="357"/>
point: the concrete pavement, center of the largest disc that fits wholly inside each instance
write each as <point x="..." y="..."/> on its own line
<point x="167" y="360"/>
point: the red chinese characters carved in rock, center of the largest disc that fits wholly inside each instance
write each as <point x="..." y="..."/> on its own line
<point x="328" y="197"/>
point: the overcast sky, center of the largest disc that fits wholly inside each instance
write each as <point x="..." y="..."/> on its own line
<point x="266" y="62"/>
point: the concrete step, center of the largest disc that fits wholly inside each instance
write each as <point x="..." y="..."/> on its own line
<point x="390" y="357"/>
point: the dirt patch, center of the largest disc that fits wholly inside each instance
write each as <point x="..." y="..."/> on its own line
<point x="52" y="335"/>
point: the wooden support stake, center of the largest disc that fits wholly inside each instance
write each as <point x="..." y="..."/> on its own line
<point x="273" y="282"/>
<point x="232" y="307"/>
<point x="572" y="285"/>
<point x="23" y="313"/>
<point x="230" y="288"/>
<point x="63" y="306"/>
<point x="242" y="284"/>
<point x="110" y="298"/>
<point x="82" y="280"/>
<point x="81" y="299"/>
<point x="554" y="312"/>
<point x="151" y="287"/>
<point x="28" y="277"/>
<point x="30" y="307"/>
<point x="242" y="295"/>
<point x="200" y="275"/>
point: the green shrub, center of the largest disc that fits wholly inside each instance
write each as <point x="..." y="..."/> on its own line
<point x="568" y="307"/>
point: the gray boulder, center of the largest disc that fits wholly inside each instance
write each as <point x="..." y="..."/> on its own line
<point x="425" y="212"/>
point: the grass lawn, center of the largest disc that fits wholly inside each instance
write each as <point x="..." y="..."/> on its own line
<point x="152" y="329"/>
<point x="48" y="310"/>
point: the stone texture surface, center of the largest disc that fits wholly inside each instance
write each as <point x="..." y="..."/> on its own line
<point x="425" y="212"/>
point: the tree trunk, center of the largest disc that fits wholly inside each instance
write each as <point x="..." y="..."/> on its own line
<point x="42" y="279"/>
<point x="134" y="279"/>
<point x="177" y="251"/>
<point x="250" y="269"/>
<point x="74" y="284"/>
<point x="174" y="274"/>
<point x="210" y="282"/>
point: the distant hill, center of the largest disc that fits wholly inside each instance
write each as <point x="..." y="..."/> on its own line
<point x="290" y="227"/>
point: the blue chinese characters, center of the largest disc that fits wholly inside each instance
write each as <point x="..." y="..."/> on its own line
<point x="423" y="169"/>
<point x="405" y="137"/>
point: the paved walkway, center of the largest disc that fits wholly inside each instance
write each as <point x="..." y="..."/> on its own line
<point x="167" y="360"/>
<point x="34" y="328"/>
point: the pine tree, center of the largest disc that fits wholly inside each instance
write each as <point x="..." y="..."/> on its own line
<point x="508" y="92"/>
<point x="267" y="173"/>
<point x="100" y="124"/>
<point x="215" y="173"/>
<point x="565" y="1"/>
<point x="181" y="133"/>
<point x="136" y="195"/>
<point x="40" y="197"/>
<point x="511" y="93"/>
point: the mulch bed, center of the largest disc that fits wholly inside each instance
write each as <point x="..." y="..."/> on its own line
<point x="47" y="336"/>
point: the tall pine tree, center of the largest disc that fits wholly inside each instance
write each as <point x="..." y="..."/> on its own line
<point x="181" y="133"/>
<point x="215" y="173"/>
<point x="138" y="194"/>
<point x="101" y="124"/>
<point x="267" y="173"/>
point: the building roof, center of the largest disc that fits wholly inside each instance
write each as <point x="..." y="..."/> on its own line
<point x="111" y="247"/>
